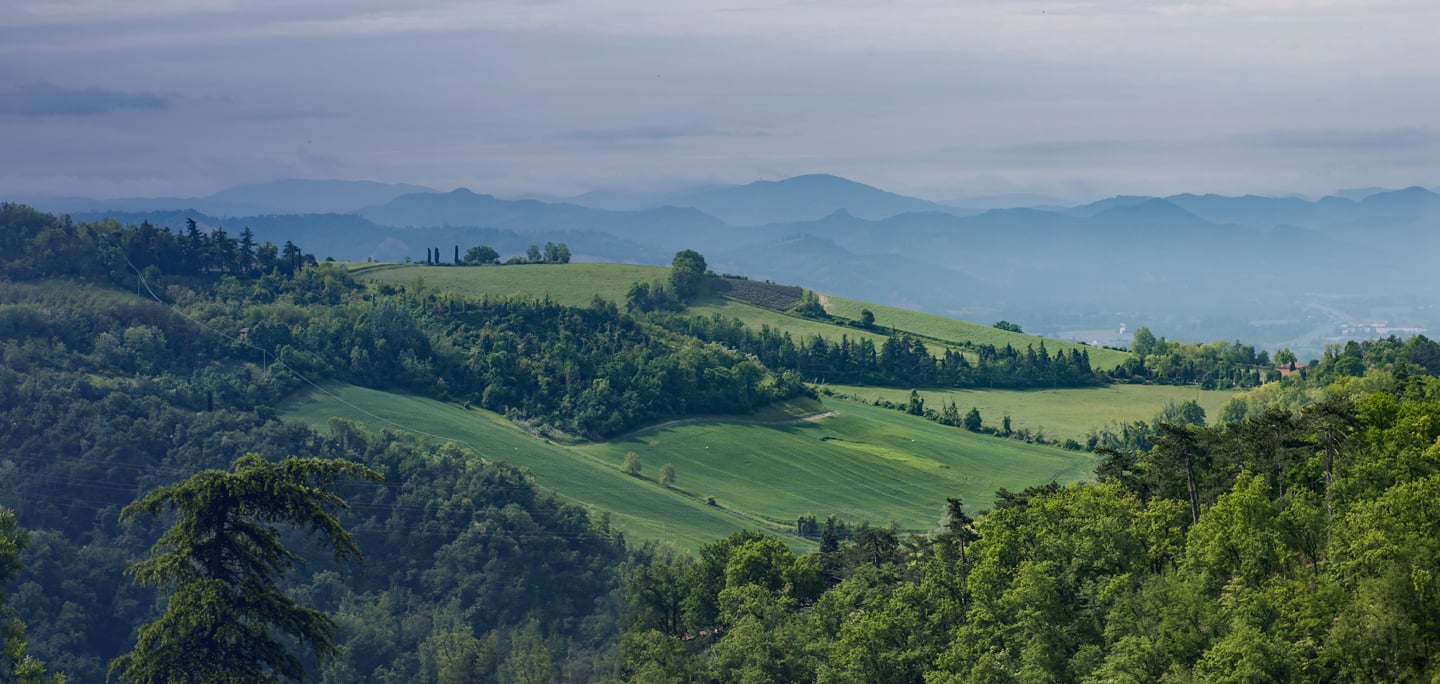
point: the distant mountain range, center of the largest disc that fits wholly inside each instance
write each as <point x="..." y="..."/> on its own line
<point x="800" y="199"/>
<point x="1184" y="259"/>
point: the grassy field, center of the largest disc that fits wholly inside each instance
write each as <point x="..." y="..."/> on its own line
<point x="1058" y="413"/>
<point x="800" y="329"/>
<point x="637" y="506"/>
<point x="863" y="463"/>
<point x="568" y="284"/>
<point x="950" y="329"/>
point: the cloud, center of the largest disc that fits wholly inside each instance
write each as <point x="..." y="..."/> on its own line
<point x="1332" y="139"/>
<point x="44" y="99"/>
<point x="1056" y="153"/>
<point x="643" y="133"/>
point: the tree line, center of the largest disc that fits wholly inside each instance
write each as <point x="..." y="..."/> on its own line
<point x="901" y="360"/>
<point x="485" y="255"/>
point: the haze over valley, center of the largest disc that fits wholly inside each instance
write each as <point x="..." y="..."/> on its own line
<point x="1275" y="271"/>
<point x="635" y="342"/>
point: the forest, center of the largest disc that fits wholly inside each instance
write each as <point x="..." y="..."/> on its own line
<point x="1290" y="541"/>
<point x="1287" y="546"/>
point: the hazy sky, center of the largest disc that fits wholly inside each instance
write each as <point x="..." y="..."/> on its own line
<point x="941" y="99"/>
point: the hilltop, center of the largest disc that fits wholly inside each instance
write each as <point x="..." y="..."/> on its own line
<point x="753" y="302"/>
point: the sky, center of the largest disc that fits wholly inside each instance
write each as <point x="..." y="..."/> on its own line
<point x="1077" y="100"/>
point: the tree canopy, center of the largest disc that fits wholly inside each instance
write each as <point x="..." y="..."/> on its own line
<point x="481" y="254"/>
<point x="16" y="664"/>
<point x="687" y="273"/>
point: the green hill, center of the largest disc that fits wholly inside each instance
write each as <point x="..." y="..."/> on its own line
<point x="862" y="464"/>
<point x="753" y="302"/>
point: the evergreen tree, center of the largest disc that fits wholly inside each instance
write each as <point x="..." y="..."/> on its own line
<point x="916" y="405"/>
<point x="290" y="257"/>
<point x="246" y="254"/>
<point x="972" y="420"/>
<point x="829" y="537"/>
<point x="223" y="557"/>
<point x="15" y="664"/>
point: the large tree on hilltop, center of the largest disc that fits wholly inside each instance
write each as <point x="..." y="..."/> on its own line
<point x="687" y="273"/>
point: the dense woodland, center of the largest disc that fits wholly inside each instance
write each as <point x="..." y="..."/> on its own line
<point x="471" y="571"/>
<point x="1288" y="546"/>
<point x="1292" y="541"/>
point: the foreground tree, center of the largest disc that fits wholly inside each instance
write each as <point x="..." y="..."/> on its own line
<point x="223" y="557"/>
<point x="16" y="665"/>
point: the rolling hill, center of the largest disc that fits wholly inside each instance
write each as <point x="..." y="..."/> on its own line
<point x="577" y="284"/>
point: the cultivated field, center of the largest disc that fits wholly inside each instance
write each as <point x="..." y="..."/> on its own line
<point x="863" y="463"/>
<point x="1058" y="413"/>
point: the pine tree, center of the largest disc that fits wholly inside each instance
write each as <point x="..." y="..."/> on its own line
<point x="223" y="557"/>
<point x="16" y="665"/>
<point x="972" y="420"/>
<point x="246" y="256"/>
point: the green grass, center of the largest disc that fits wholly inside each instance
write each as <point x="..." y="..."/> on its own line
<point x="864" y="463"/>
<point x="636" y="506"/>
<point x="954" y="330"/>
<point x="568" y="284"/>
<point x="1058" y="413"/>
<point x="800" y="329"/>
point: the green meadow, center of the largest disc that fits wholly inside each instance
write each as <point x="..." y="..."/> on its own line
<point x="800" y="329"/>
<point x="568" y="284"/>
<point x="635" y="505"/>
<point x="862" y="463"/>
<point x="1057" y="413"/>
